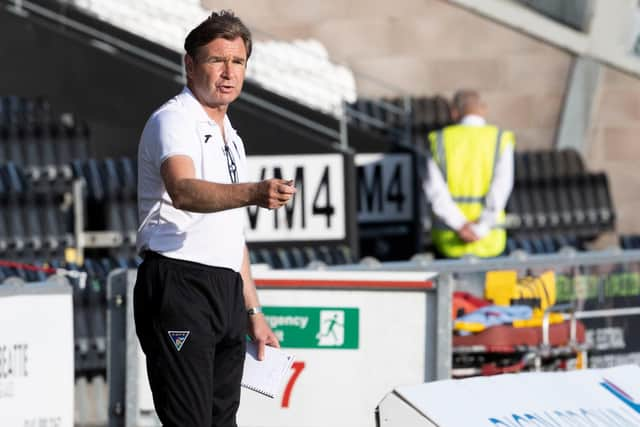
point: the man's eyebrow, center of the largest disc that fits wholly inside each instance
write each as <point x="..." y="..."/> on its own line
<point x="224" y="58"/>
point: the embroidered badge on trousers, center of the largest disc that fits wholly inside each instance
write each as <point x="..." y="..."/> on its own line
<point x="178" y="338"/>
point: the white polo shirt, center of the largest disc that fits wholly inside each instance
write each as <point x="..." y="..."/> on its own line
<point x="182" y="127"/>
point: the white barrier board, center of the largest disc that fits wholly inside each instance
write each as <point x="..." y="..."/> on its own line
<point x="594" y="398"/>
<point x="351" y="346"/>
<point x="36" y="360"/>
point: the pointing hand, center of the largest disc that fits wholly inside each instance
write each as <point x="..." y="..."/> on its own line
<point x="274" y="193"/>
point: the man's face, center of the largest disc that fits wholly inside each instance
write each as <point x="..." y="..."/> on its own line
<point x="217" y="71"/>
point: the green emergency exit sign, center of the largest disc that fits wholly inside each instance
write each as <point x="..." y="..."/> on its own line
<point x="315" y="327"/>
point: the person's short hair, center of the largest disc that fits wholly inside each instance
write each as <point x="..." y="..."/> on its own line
<point x="223" y="24"/>
<point x="465" y="98"/>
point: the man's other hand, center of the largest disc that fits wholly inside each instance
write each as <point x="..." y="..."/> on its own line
<point x="261" y="333"/>
<point x="467" y="234"/>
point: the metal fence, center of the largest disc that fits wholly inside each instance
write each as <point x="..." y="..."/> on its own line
<point x="600" y="288"/>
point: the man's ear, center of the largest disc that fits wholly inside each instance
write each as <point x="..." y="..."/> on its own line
<point x="188" y="65"/>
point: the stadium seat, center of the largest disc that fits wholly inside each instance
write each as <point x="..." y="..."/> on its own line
<point x="554" y="197"/>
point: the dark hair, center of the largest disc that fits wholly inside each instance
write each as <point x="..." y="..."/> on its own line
<point x="223" y="24"/>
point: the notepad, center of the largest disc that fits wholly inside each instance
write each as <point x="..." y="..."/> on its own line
<point x="265" y="376"/>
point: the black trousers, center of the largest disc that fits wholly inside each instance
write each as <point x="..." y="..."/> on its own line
<point x="192" y="323"/>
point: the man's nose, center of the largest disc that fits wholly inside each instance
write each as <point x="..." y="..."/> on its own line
<point x="226" y="67"/>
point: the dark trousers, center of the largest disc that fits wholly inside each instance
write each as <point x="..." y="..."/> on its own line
<point x="191" y="322"/>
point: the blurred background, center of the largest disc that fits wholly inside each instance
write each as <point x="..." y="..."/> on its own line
<point x="341" y="96"/>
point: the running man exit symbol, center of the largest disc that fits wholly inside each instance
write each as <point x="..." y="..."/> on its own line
<point x="331" y="328"/>
<point x="328" y="328"/>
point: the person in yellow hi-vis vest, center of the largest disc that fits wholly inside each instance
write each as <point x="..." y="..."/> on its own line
<point x="469" y="180"/>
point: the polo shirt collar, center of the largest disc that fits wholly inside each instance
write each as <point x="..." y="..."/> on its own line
<point x="195" y="108"/>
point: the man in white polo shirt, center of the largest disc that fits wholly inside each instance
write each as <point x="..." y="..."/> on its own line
<point x="194" y="299"/>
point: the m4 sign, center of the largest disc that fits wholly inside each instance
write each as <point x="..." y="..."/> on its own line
<point x="316" y="212"/>
<point x="385" y="187"/>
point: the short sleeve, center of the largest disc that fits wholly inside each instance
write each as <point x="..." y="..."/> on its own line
<point x="168" y="133"/>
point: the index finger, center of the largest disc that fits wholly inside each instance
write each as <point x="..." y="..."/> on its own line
<point x="286" y="189"/>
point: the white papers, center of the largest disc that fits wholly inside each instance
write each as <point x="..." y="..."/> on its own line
<point x="266" y="376"/>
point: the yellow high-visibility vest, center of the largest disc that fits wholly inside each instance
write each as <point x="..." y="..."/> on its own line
<point x="467" y="157"/>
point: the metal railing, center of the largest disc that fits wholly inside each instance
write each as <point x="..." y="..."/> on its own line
<point x="517" y="262"/>
<point x="589" y="286"/>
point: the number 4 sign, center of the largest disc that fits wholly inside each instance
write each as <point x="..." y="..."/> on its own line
<point x="385" y="187"/>
<point x="316" y="212"/>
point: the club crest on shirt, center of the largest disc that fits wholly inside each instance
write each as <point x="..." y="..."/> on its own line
<point x="178" y="338"/>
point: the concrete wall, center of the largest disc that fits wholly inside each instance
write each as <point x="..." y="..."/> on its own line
<point x="428" y="47"/>
<point x="612" y="143"/>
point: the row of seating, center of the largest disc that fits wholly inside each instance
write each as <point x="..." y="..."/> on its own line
<point x="110" y="195"/>
<point x="18" y="109"/>
<point x="548" y="165"/>
<point x="36" y="219"/>
<point x="548" y="200"/>
<point x="12" y="272"/>
<point x="36" y="149"/>
<point x="630" y="241"/>
<point x="544" y="244"/>
<point x="32" y="136"/>
<point x="301" y="257"/>
<point x="108" y="179"/>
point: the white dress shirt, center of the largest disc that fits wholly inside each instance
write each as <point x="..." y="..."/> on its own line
<point x="443" y="206"/>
